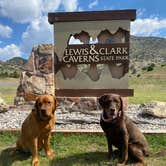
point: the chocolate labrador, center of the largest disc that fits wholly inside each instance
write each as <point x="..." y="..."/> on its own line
<point x="121" y="132"/>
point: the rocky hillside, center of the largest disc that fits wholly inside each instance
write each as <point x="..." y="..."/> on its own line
<point x="148" y="49"/>
<point x="146" y="53"/>
<point x="16" y="61"/>
<point x="12" y="67"/>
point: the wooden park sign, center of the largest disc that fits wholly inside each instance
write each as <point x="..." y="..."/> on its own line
<point x="91" y="52"/>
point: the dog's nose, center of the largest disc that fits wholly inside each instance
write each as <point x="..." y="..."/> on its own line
<point x="112" y="110"/>
<point x="43" y="111"/>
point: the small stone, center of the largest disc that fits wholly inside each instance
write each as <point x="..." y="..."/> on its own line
<point x="72" y="119"/>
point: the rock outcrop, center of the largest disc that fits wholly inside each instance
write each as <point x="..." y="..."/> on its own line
<point x="155" y="108"/>
<point x="37" y="77"/>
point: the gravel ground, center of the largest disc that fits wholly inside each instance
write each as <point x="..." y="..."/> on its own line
<point x="66" y="118"/>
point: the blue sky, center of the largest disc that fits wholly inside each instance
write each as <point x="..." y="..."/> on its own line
<point x="23" y="23"/>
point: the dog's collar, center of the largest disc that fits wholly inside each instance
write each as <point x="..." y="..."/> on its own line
<point x="110" y="120"/>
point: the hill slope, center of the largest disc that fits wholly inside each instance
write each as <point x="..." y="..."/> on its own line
<point x="16" y="61"/>
<point x="148" y="48"/>
<point x="12" y="67"/>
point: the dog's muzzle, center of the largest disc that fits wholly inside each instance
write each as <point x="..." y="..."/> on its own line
<point x="107" y="119"/>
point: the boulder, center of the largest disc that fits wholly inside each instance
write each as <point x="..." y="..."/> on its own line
<point x="29" y="66"/>
<point x="43" y="58"/>
<point x="34" y="84"/>
<point x="38" y="76"/>
<point x="19" y="100"/>
<point x="46" y="49"/>
<point x="155" y="108"/>
<point x="3" y="106"/>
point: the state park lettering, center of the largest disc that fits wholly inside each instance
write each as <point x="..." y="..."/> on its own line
<point x="98" y="53"/>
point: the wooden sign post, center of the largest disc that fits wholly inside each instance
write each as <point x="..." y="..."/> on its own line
<point x="91" y="52"/>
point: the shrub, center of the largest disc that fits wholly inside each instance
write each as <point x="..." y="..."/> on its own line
<point x="15" y="74"/>
<point x="138" y="75"/>
<point x="4" y="74"/>
<point x="150" y="67"/>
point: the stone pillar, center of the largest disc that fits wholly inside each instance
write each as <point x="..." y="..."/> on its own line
<point x="38" y="76"/>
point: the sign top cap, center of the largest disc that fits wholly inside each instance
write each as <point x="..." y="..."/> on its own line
<point x="129" y="14"/>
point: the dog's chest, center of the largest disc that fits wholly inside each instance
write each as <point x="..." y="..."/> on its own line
<point x="113" y="132"/>
<point x="116" y="136"/>
<point x="46" y="127"/>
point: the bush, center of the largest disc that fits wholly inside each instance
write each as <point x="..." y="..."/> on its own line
<point x="15" y="74"/>
<point x="138" y="75"/>
<point x="3" y="74"/>
<point x="150" y="67"/>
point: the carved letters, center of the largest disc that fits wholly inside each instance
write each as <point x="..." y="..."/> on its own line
<point x="110" y="49"/>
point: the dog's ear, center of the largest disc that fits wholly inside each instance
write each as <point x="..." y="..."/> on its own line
<point x="55" y="103"/>
<point x="121" y="103"/>
<point x="102" y="100"/>
<point x="36" y="105"/>
<point x="121" y="106"/>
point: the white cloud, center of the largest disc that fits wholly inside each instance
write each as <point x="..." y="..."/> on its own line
<point x="93" y="4"/>
<point x="53" y="5"/>
<point x="147" y="26"/>
<point x="20" y="10"/>
<point x="80" y="9"/>
<point x="5" y="31"/>
<point x="73" y="41"/>
<point x="93" y="41"/>
<point x="38" y="32"/>
<point x="70" y="5"/>
<point x="34" y="12"/>
<point x="23" y="11"/>
<point x="9" y="52"/>
<point x="50" y="5"/>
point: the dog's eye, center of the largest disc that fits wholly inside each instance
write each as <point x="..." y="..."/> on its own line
<point x="49" y="102"/>
<point x="116" y="101"/>
<point x="107" y="103"/>
<point x="40" y="104"/>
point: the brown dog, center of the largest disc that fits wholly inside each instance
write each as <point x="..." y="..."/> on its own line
<point x="121" y="131"/>
<point x="36" y="129"/>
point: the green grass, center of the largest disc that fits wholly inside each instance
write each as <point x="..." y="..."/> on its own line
<point x="76" y="150"/>
<point x="149" y="86"/>
<point x="8" y="88"/>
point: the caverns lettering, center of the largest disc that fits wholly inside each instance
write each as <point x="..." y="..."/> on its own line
<point x="96" y="53"/>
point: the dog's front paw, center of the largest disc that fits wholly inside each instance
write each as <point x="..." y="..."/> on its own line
<point x="50" y="154"/>
<point x="120" y="164"/>
<point x="139" y="164"/>
<point x="35" y="162"/>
